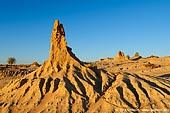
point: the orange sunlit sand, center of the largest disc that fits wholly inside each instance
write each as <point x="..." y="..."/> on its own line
<point x="65" y="84"/>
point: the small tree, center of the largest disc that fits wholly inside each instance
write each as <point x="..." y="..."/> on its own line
<point x="11" y="60"/>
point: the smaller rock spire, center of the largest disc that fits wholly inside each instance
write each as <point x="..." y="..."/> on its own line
<point x="121" y="56"/>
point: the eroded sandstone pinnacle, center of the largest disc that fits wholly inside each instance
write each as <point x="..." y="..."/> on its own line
<point x="61" y="55"/>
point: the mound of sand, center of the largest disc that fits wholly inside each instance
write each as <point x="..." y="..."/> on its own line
<point x="34" y="64"/>
<point x="136" y="56"/>
<point x="63" y="84"/>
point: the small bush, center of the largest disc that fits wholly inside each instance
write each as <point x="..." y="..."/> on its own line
<point x="11" y="60"/>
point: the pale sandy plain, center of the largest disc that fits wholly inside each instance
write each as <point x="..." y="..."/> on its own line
<point x="64" y="84"/>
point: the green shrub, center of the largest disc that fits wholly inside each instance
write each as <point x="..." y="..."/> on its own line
<point x="11" y="60"/>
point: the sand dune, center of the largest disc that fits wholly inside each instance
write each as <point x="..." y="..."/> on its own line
<point x="64" y="84"/>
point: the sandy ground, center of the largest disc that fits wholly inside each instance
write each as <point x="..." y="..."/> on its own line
<point x="64" y="84"/>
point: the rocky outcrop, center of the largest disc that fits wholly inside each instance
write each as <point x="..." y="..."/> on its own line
<point x="121" y="57"/>
<point x="61" y="56"/>
<point x="136" y="56"/>
<point x="15" y="73"/>
<point x="17" y="70"/>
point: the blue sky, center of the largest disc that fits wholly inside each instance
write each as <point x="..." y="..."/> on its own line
<point x="94" y="29"/>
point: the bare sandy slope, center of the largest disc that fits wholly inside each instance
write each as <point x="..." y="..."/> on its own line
<point x="148" y="66"/>
<point x="64" y="84"/>
<point x="137" y="88"/>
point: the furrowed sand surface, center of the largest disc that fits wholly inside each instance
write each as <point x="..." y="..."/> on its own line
<point x="64" y="84"/>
